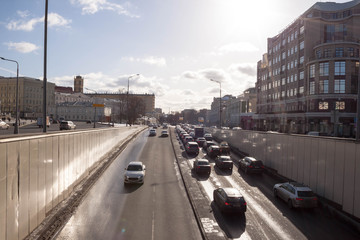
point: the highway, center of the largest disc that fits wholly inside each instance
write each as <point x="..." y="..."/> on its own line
<point x="161" y="208"/>
<point x="158" y="209"/>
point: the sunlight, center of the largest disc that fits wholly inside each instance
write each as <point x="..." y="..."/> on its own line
<point x="239" y="17"/>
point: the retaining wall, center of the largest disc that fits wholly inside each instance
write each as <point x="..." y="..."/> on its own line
<point x="36" y="173"/>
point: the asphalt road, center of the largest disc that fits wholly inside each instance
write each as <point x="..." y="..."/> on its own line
<point x="158" y="209"/>
<point x="32" y="128"/>
<point x="266" y="218"/>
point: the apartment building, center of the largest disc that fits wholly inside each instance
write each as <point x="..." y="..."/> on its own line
<point x="307" y="80"/>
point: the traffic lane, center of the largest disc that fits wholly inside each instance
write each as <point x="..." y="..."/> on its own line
<point x="294" y="223"/>
<point x="251" y="225"/>
<point x="97" y="217"/>
<point x="172" y="216"/>
<point x="158" y="209"/>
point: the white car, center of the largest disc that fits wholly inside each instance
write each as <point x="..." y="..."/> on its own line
<point x="4" y="125"/>
<point x="135" y="173"/>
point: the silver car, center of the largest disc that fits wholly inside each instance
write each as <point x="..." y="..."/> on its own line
<point x="296" y="195"/>
<point x="135" y="173"/>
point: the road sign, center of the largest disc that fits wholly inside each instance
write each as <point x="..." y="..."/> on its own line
<point x="98" y="105"/>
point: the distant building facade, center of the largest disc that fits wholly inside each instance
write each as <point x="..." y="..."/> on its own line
<point x="148" y="100"/>
<point x="307" y="80"/>
<point x="30" y="96"/>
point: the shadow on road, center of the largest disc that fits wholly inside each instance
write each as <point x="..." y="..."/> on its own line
<point x="233" y="225"/>
<point x="129" y="188"/>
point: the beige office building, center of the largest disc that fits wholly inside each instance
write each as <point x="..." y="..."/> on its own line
<point x="307" y="80"/>
<point x="30" y="96"/>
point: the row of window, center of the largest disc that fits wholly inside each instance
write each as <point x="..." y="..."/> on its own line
<point x="339" y="87"/>
<point x="339" y="69"/>
<point x="283" y="55"/>
<point x="291" y="37"/>
<point x="339" y="52"/>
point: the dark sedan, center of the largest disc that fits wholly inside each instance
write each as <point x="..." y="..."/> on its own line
<point x="229" y="200"/>
<point x="202" y="166"/>
<point x="224" y="162"/>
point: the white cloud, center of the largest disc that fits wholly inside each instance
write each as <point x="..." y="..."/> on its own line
<point x="94" y="6"/>
<point x="244" y="68"/>
<point x="23" y="47"/>
<point x="157" y="61"/>
<point x="54" y="20"/>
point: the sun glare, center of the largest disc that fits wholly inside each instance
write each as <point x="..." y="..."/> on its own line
<point x="237" y="16"/>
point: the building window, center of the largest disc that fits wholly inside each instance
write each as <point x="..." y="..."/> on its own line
<point x="327" y="53"/>
<point x="324" y="86"/>
<point x="301" y="77"/>
<point x="312" y="88"/>
<point x="339" y="86"/>
<point x="324" y="69"/>
<point x="318" y="54"/>
<point x="301" y="59"/>
<point x="339" y="68"/>
<point x="339" y="52"/>
<point x="312" y="71"/>
<point x="302" y="29"/>
<point x="283" y="81"/>
<point x="335" y="32"/>
<point x="351" y="52"/>
<point x="339" y="105"/>
<point x="301" y="45"/>
<point x="323" y="105"/>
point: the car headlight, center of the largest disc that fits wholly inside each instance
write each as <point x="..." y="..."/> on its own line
<point x="141" y="177"/>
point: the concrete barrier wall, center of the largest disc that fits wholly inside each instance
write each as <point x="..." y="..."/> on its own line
<point x="36" y="173"/>
<point x="330" y="166"/>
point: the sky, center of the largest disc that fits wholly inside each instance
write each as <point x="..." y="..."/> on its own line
<point x="176" y="46"/>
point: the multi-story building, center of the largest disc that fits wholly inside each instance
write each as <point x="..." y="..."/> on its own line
<point x="30" y="96"/>
<point x="214" y="114"/>
<point x="307" y="80"/>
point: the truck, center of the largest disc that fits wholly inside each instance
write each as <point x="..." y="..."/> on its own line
<point x="40" y="122"/>
<point x="199" y="132"/>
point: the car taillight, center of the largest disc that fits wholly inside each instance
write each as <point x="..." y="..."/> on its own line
<point x="262" y="167"/>
<point x="244" y="203"/>
<point x="227" y="204"/>
<point x="299" y="199"/>
<point x="250" y="166"/>
<point x="315" y="198"/>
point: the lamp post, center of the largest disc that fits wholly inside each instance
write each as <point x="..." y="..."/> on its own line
<point x="220" y="108"/>
<point x="45" y="66"/>
<point x="127" y="97"/>
<point x="16" y="129"/>
<point x="93" y="103"/>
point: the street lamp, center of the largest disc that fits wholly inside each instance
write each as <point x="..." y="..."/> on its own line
<point x="16" y="129"/>
<point x="220" y="108"/>
<point x="93" y="103"/>
<point x="127" y="97"/>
